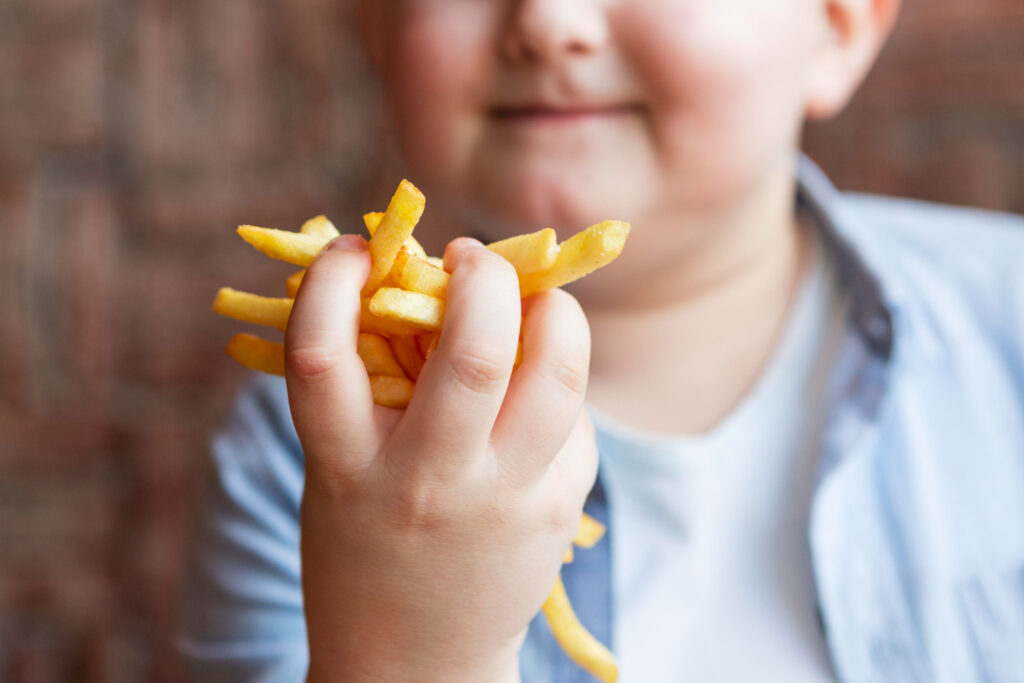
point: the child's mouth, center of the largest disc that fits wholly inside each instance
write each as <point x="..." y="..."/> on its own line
<point x="544" y="114"/>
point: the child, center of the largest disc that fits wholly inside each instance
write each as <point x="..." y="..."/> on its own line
<point x="808" y="408"/>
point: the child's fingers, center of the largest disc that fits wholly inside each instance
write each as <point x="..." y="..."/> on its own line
<point x="546" y="393"/>
<point x="328" y="389"/>
<point x="461" y="387"/>
<point x="574" y="468"/>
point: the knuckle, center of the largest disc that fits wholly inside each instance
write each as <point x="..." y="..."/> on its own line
<point x="564" y="518"/>
<point x="476" y="367"/>
<point x="568" y="373"/>
<point x="310" y="364"/>
<point x="419" y="505"/>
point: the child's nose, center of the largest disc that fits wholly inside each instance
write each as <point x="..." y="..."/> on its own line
<point x="549" y="30"/>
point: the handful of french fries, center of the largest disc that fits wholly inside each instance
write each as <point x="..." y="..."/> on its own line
<point x="402" y="314"/>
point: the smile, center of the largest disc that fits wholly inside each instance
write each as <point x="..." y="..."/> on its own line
<point x="560" y="115"/>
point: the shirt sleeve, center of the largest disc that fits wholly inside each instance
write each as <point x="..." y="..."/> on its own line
<point x="242" y="616"/>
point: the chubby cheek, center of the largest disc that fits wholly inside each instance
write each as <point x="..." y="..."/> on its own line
<point x="438" y="56"/>
<point x="725" y="86"/>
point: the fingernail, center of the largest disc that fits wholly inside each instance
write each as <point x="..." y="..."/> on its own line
<point x="465" y="243"/>
<point x="347" y="243"/>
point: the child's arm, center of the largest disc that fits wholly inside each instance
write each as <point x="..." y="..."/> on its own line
<point x="430" y="538"/>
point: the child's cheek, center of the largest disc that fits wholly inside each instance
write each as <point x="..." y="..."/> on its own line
<point x="434" y="80"/>
<point x="723" y="83"/>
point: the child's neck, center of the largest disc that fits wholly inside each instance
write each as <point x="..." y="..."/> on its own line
<point x="689" y="342"/>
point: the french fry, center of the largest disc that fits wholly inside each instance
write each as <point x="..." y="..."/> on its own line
<point x="583" y="253"/>
<point x="290" y="247"/>
<point x="435" y="261"/>
<point x="257" y="354"/>
<point x="589" y="533"/>
<point x="519" y="354"/>
<point x="426" y="343"/>
<point x="395" y="227"/>
<point x="372" y="220"/>
<point x="374" y="324"/>
<point x="377" y="356"/>
<point x="293" y="283"/>
<point x="531" y="253"/>
<point x="408" y="355"/>
<point x="391" y="392"/>
<point x="401" y="259"/>
<point x="424" y="311"/>
<point x="252" y="308"/>
<point x="421" y="276"/>
<point x="320" y="227"/>
<point x="574" y="639"/>
<point x="569" y="556"/>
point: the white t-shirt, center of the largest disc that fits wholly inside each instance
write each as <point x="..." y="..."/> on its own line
<point x="711" y="570"/>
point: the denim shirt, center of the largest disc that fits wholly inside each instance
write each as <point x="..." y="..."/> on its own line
<point x="917" y="521"/>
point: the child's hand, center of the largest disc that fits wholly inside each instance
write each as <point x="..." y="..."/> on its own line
<point x="430" y="538"/>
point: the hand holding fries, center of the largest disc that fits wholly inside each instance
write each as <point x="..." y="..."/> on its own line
<point x="425" y="511"/>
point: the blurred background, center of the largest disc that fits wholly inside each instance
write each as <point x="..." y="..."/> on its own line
<point x="136" y="134"/>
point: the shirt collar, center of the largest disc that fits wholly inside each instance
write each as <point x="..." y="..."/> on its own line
<point x="870" y="315"/>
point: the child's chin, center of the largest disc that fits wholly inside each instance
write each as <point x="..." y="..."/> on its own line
<point x="563" y="199"/>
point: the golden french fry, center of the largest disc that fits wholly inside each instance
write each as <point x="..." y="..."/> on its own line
<point x="401" y="259"/>
<point x="291" y="247"/>
<point x="568" y="557"/>
<point x="424" y="311"/>
<point x="578" y="643"/>
<point x="589" y="533"/>
<point x="320" y="227"/>
<point x="579" y="255"/>
<point x="372" y="220"/>
<point x="531" y="253"/>
<point x="519" y="355"/>
<point x="374" y="324"/>
<point x="435" y="261"/>
<point x="394" y="276"/>
<point x="395" y="227"/>
<point x="293" y="283"/>
<point x="257" y="354"/>
<point x="419" y="275"/>
<point x="391" y="392"/>
<point x="376" y="355"/>
<point x="408" y="355"/>
<point x="426" y="343"/>
<point x="252" y="308"/>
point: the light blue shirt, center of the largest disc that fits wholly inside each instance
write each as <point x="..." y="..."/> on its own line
<point x="916" y="530"/>
<point x="717" y="521"/>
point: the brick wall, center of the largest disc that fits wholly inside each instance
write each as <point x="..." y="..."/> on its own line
<point x="136" y="133"/>
<point x="942" y="115"/>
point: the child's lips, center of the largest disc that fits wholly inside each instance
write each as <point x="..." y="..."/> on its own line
<point x="543" y="114"/>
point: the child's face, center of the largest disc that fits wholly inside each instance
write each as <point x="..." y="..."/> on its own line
<point x="566" y="112"/>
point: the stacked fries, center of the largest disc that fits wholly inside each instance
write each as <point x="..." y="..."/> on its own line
<point x="404" y="296"/>
<point x="402" y="314"/>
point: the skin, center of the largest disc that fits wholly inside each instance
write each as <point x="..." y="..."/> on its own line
<point x="430" y="537"/>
